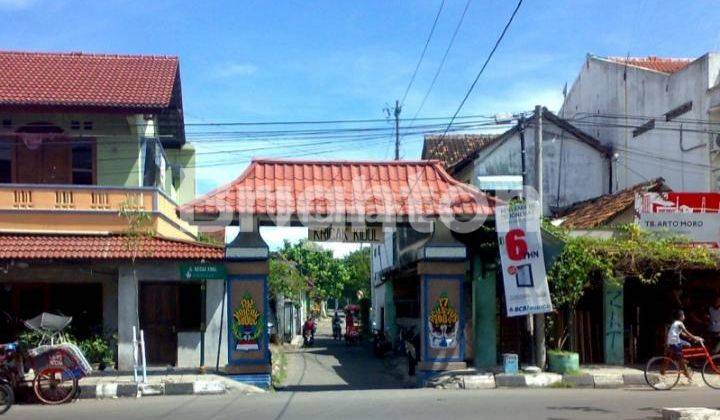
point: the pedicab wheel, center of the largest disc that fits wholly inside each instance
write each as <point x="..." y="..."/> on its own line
<point x="711" y="372"/>
<point x="55" y="385"/>
<point x="662" y="373"/>
<point x="7" y="398"/>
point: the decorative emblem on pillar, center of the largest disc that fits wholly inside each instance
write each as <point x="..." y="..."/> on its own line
<point x="247" y="325"/>
<point x="444" y="324"/>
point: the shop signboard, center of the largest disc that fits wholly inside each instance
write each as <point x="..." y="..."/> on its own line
<point x="202" y="272"/>
<point x="695" y="216"/>
<point x="521" y="256"/>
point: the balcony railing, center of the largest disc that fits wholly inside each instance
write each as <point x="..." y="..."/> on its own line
<point x="77" y="207"/>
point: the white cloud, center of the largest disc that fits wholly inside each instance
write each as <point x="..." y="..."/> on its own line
<point x="235" y="69"/>
<point x="16" y="4"/>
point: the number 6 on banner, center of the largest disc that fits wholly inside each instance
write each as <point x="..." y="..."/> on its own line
<point x="515" y="244"/>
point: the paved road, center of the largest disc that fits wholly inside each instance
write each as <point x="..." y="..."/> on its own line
<point x="331" y="381"/>
<point x="417" y="404"/>
<point x="331" y="365"/>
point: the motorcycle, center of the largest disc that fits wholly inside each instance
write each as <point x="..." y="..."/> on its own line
<point x="381" y="344"/>
<point x="337" y="331"/>
<point x="308" y="338"/>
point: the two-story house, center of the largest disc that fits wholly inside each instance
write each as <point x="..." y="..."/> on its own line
<point x="93" y="163"/>
<point x="660" y="115"/>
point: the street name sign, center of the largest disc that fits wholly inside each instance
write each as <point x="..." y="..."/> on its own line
<point x="521" y="257"/>
<point x="346" y="234"/>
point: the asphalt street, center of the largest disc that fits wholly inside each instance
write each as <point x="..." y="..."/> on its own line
<point x="334" y="381"/>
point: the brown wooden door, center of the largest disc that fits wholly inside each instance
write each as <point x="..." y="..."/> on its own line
<point x="57" y="162"/>
<point x="28" y="164"/>
<point x="47" y="163"/>
<point x="158" y="319"/>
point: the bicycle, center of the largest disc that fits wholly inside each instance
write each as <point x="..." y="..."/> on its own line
<point x="7" y="396"/>
<point x="663" y="372"/>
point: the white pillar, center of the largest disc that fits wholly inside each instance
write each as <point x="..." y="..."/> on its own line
<point x="214" y="311"/>
<point x="127" y="316"/>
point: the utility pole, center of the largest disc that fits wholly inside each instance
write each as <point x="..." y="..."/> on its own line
<point x="539" y="321"/>
<point x="396" y="112"/>
<point x="529" y="321"/>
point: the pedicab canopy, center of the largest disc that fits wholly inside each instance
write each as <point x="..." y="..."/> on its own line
<point x="353" y="189"/>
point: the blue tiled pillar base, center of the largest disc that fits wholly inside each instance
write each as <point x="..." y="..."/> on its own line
<point x="260" y="380"/>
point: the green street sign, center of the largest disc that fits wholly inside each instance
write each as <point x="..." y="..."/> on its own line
<point x="202" y="272"/>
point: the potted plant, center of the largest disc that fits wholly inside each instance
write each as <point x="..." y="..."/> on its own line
<point x="569" y="276"/>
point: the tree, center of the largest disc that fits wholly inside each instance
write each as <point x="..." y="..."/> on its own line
<point x="358" y="267"/>
<point x="326" y="276"/>
<point x="285" y="279"/>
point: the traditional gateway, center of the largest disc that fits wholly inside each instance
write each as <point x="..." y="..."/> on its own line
<point x="418" y="197"/>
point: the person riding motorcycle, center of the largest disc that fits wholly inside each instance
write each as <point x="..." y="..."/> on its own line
<point x="336" y="326"/>
<point x="309" y="328"/>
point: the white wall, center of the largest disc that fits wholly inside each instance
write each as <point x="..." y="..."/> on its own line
<point x="382" y="258"/>
<point x="188" y="342"/>
<point x="603" y="88"/>
<point x="572" y="170"/>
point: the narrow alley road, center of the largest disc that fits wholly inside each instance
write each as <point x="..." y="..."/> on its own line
<point x="332" y="365"/>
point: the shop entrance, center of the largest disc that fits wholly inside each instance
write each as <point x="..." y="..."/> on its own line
<point x="166" y="309"/>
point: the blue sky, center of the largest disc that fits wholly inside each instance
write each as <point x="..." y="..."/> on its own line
<point x="336" y="59"/>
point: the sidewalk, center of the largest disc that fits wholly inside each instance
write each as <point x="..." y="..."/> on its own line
<point x="590" y="376"/>
<point x="114" y="386"/>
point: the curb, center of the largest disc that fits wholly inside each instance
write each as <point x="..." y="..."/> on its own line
<point x="690" y="413"/>
<point x="538" y="380"/>
<point x="125" y="390"/>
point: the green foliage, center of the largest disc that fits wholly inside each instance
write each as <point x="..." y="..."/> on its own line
<point x="358" y="267"/>
<point x="139" y="223"/>
<point x="207" y="239"/>
<point x="631" y="252"/>
<point x="325" y="275"/>
<point x="279" y="366"/>
<point x="97" y="349"/>
<point x="285" y="279"/>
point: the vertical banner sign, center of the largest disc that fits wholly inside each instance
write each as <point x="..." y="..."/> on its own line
<point x="521" y="255"/>
<point x="247" y="310"/>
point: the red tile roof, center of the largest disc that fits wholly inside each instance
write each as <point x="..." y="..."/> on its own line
<point x="599" y="211"/>
<point x="452" y="149"/>
<point x="86" y="80"/>
<point x="102" y="247"/>
<point x="663" y="65"/>
<point x="344" y="188"/>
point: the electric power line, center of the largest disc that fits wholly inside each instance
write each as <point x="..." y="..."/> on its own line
<point x="442" y="61"/>
<point x="482" y="69"/>
<point x="422" y="55"/>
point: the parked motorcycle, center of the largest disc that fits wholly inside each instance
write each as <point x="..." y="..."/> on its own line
<point x="381" y="343"/>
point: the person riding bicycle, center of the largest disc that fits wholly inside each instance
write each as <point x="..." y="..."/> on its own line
<point x="675" y="342"/>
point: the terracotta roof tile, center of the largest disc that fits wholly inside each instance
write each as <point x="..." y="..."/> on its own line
<point x="87" y="80"/>
<point x="598" y="211"/>
<point x="296" y="188"/>
<point x="454" y="147"/>
<point x="661" y="64"/>
<point x="102" y="247"/>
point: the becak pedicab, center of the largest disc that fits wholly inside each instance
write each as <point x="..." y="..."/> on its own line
<point x="53" y="368"/>
<point x="352" y="330"/>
